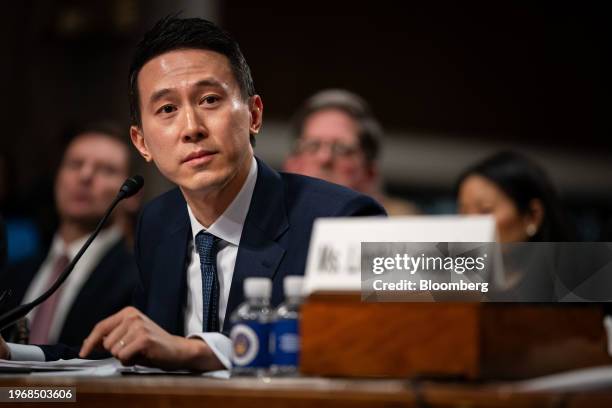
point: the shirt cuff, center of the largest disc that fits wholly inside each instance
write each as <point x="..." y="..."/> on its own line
<point x="25" y="352"/>
<point x="219" y="344"/>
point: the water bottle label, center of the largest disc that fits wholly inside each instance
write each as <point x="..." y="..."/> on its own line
<point x="286" y="343"/>
<point x="250" y="344"/>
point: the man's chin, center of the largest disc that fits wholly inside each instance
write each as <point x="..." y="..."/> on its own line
<point x="86" y="222"/>
<point x="201" y="183"/>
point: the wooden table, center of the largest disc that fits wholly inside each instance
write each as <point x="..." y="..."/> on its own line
<point x="185" y="391"/>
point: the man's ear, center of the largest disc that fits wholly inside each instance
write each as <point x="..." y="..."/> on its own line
<point x="256" y="112"/>
<point x="139" y="142"/>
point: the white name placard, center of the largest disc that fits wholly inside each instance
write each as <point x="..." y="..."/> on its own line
<point x="334" y="255"/>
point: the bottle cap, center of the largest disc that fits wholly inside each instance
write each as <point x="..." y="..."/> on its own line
<point x="257" y="287"/>
<point x="293" y="286"/>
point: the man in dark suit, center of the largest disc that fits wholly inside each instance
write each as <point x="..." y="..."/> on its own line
<point x="195" y="114"/>
<point x="93" y="167"/>
<point x="338" y="139"/>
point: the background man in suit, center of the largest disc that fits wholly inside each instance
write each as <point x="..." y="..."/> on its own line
<point x="337" y="138"/>
<point x="93" y="167"/>
<point x="195" y="114"/>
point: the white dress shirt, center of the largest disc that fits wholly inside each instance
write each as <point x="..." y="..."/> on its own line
<point x="228" y="227"/>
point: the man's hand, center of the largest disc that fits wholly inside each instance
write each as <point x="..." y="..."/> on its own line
<point x="133" y="338"/>
<point x="5" y="353"/>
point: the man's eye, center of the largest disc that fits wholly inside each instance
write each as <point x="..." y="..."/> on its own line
<point x="107" y="170"/>
<point x="210" y="99"/>
<point x="167" y="109"/>
<point x="73" y="164"/>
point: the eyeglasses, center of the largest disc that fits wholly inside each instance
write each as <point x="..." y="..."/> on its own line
<point x="338" y="149"/>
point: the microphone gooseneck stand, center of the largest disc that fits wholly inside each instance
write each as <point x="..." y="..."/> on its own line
<point x="130" y="187"/>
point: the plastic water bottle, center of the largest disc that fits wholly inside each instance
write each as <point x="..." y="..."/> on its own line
<point x="251" y="329"/>
<point x="285" y="342"/>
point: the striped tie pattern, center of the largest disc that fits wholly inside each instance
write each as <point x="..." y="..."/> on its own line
<point x="43" y="319"/>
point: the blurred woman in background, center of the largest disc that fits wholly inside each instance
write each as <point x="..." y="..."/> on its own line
<point x="519" y="194"/>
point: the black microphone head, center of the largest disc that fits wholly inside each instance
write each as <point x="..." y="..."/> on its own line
<point x="131" y="186"/>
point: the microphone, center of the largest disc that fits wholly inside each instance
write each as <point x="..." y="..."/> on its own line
<point x="130" y="187"/>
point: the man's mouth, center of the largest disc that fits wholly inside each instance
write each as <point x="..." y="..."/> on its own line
<point x="80" y="197"/>
<point x="198" y="157"/>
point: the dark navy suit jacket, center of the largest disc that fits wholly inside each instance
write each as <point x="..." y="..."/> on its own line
<point x="107" y="290"/>
<point x="274" y="241"/>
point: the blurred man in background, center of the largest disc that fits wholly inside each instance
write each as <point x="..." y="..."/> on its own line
<point x="94" y="165"/>
<point x="338" y="140"/>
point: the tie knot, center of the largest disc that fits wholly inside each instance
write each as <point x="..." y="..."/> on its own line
<point x="206" y="245"/>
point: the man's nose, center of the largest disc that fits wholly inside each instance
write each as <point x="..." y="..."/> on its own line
<point x="325" y="154"/>
<point x="86" y="172"/>
<point x="194" y="128"/>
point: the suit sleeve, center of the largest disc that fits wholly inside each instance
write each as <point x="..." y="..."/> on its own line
<point x="139" y="298"/>
<point x="61" y="351"/>
<point x="58" y="351"/>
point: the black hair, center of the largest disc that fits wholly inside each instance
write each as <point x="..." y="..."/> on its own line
<point x="522" y="181"/>
<point x="173" y="33"/>
<point x="108" y="128"/>
<point x="370" y="130"/>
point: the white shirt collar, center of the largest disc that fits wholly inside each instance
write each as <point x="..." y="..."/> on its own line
<point x="229" y="225"/>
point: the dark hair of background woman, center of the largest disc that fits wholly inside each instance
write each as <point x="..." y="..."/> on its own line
<point x="523" y="180"/>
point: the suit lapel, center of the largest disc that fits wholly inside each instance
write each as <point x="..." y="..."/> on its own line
<point x="259" y="253"/>
<point x="167" y="293"/>
<point x="19" y="280"/>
